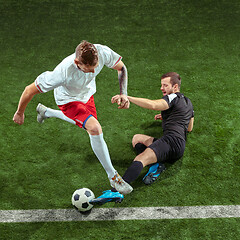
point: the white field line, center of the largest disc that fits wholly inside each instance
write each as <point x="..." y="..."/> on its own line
<point x="110" y="214"/>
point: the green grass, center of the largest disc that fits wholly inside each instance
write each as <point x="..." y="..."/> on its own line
<point x="42" y="165"/>
<point x="220" y="229"/>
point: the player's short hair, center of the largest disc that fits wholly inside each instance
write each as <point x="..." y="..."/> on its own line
<point x="87" y="53"/>
<point x="174" y="78"/>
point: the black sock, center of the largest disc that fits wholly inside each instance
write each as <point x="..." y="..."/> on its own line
<point x="131" y="173"/>
<point x="139" y="147"/>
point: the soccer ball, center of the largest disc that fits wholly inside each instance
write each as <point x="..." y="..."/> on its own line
<point x="81" y="198"/>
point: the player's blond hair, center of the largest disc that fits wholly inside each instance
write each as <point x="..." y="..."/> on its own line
<point x="87" y="53"/>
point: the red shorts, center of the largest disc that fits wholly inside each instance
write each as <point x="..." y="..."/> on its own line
<point x="79" y="112"/>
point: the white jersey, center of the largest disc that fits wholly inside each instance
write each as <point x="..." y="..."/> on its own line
<point x="71" y="84"/>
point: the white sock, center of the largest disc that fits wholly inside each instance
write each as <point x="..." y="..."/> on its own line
<point x="100" y="149"/>
<point x="58" y="114"/>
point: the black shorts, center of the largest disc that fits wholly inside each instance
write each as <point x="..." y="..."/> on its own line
<point x="168" y="148"/>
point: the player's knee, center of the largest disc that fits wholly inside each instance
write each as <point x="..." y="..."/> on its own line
<point x="94" y="129"/>
<point x="147" y="157"/>
<point x="136" y="139"/>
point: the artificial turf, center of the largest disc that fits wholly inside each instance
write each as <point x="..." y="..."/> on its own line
<point x="42" y="165"/>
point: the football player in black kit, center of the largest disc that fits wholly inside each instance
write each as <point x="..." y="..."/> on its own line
<point x="177" y="119"/>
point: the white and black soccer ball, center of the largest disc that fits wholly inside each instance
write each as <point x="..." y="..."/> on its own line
<point x="81" y="198"/>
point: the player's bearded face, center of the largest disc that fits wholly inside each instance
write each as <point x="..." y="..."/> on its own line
<point x="166" y="86"/>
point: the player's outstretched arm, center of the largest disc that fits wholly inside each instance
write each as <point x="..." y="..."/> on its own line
<point x="26" y="97"/>
<point x="159" y="105"/>
<point x="122" y="101"/>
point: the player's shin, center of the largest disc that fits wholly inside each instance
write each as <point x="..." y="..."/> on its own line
<point x="133" y="171"/>
<point x="100" y="149"/>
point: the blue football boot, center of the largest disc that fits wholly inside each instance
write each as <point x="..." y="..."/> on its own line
<point x="107" y="196"/>
<point x="153" y="173"/>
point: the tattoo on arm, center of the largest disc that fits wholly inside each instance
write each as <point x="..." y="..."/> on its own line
<point x="123" y="80"/>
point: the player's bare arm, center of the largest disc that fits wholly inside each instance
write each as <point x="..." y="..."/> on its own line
<point x="158" y="105"/>
<point x="26" y="97"/>
<point x="190" y="125"/>
<point x="122" y="101"/>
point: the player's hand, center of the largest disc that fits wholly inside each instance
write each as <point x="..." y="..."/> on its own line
<point x="18" y="118"/>
<point x="116" y="99"/>
<point x="158" y="117"/>
<point x="121" y="100"/>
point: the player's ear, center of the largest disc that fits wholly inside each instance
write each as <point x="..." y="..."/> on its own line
<point x="76" y="61"/>
<point x="175" y="87"/>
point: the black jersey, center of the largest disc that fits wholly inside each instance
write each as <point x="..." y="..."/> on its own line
<point x="176" y="119"/>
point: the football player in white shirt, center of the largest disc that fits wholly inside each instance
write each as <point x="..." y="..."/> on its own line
<point x="73" y="82"/>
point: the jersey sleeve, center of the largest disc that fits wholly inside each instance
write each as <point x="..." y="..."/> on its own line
<point x="49" y="80"/>
<point x="110" y="58"/>
<point x="169" y="99"/>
